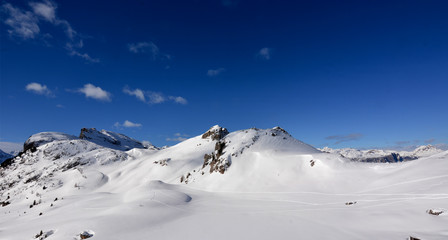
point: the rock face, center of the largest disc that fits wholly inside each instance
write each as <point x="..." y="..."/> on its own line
<point x="215" y="160"/>
<point x="110" y="139"/>
<point x="391" y="158"/>
<point x="215" y="133"/>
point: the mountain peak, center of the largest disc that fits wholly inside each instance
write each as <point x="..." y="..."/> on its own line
<point x="215" y="133"/>
<point x="110" y="139"/>
<point x="42" y="138"/>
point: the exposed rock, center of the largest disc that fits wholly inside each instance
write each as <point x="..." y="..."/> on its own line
<point x="391" y="158"/>
<point x="281" y="130"/>
<point x="163" y="162"/>
<point x="435" y="212"/>
<point x="215" y="133"/>
<point x="85" y="235"/>
<point x="217" y="163"/>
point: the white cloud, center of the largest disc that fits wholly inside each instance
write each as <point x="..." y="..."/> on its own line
<point x="127" y="124"/>
<point x="60" y="106"/>
<point x="155" y="97"/>
<point x="138" y="93"/>
<point x="215" y="72"/>
<point x="179" y="100"/>
<point x="45" y="10"/>
<point x="265" y="53"/>
<point x="144" y="47"/>
<point x="151" y="97"/>
<point x="84" y="56"/>
<point x="181" y="135"/>
<point x="38" y="89"/>
<point x="25" y="25"/>
<point x="178" y="137"/>
<point x="22" y="24"/>
<point x="148" y="47"/>
<point x="91" y="91"/>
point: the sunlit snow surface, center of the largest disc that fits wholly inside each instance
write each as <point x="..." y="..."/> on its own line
<point x="275" y="188"/>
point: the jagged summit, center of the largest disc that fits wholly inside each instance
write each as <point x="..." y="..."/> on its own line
<point x="110" y="139"/>
<point x="215" y="133"/>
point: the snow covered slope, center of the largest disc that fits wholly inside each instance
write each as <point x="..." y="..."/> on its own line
<point x="110" y="139"/>
<point x="248" y="184"/>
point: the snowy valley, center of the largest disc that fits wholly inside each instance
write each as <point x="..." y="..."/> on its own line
<point x="247" y="184"/>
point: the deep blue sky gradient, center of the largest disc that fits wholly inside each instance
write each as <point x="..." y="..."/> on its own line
<point x="376" y="69"/>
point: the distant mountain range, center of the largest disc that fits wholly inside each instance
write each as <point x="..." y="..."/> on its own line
<point x="105" y="185"/>
<point x="379" y="155"/>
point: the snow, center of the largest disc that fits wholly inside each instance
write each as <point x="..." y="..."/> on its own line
<point x="355" y="154"/>
<point x="111" y="139"/>
<point x="275" y="187"/>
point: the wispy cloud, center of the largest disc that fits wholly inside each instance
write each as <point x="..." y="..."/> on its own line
<point x="148" y="48"/>
<point x="155" y="97"/>
<point x="60" y="106"/>
<point x="431" y="140"/>
<point x="85" y="56"/>
<point x="138" y="93"/>
<point x="38" y="88"/>
<point x="91" y="91"/>
<point x="178" y="137"/>
<point x="265" y="53"/>
<point x="25" y="25"/>
<point x="142" y="47"/>
<point x="344" y="138"/>
<point x="22" y="24"/>
<point x="151" y="97"/>
<point x="215" y="72"/>
<point x="402" y="142"/>
<point x="46" y="10"/>
<point x="127" y="124"/>
<point x="179" y="100"/>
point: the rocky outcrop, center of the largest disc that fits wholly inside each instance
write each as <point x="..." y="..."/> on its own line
<point x="215" y="160"/>
<point x="215" y="133"/>
<point x="391" y="158"/>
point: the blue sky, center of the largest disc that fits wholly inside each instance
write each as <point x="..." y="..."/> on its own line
<point x="332" y="73"/>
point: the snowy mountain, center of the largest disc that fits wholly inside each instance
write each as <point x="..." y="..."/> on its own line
<point x="110" y="139"/>
<point x="253" y="183"/>
<point x="424" y="151"/>
<point x="9" y="149"/>
<point x="4" y="156"/>
<point x="380" y="155"/>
